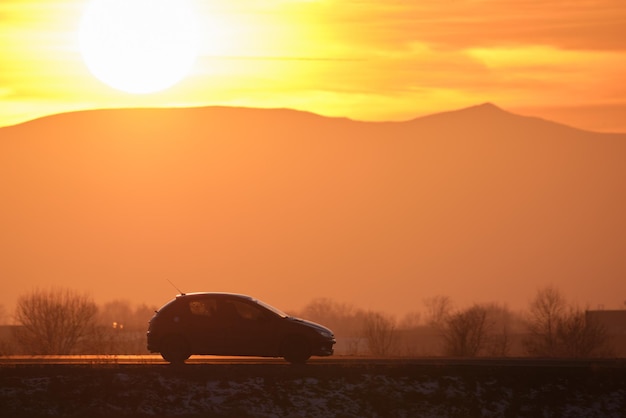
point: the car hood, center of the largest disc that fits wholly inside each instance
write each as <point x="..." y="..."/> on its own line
<point x="311" y="324"/>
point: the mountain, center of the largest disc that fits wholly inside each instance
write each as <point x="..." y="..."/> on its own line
<point x="478" y="204"/>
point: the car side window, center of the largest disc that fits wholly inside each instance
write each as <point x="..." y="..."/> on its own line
<point x="248" y="312"/>
<point x="203" y="307"/>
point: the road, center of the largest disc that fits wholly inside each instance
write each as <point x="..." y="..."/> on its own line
<point x="138" y="360"/>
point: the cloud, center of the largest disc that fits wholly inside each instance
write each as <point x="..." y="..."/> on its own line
<point x="597" y="25"/>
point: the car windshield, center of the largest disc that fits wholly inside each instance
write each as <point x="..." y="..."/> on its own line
<point x="271" y="308"/>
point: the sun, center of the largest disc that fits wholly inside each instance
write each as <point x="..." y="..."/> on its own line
<point x="139" y="46"/>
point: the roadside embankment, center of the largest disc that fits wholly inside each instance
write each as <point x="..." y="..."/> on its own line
<point x="315" y="390"/>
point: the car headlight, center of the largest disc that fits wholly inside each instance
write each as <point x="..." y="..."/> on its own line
<point x="325" y="334"/>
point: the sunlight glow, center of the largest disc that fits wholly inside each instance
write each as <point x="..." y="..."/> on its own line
<point x="360" y="59"/>
<point x="139" y="46"/>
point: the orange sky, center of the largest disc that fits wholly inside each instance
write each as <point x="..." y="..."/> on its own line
<point x="364" y="59"/>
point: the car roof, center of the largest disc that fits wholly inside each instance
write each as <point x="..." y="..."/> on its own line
<point x="198" y="295"/>
<point x="217" y="294"/>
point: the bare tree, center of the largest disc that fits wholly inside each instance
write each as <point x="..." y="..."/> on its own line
<point x="465" y="331"/>
<point x="547" y="309"/>
<point x="345" y="321"/>
<point x="500" y="327"/>
<point x="55" y="321"/>
<point x="479" y="330"/>
<point x="339" y="316"/>
<point x="580" y="336"/>
<point x="379" y="331"/>
<point x="438" y="309"/>
<point x="559" y="330"/>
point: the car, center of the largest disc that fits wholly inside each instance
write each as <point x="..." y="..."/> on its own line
<point x="231" y="324"/>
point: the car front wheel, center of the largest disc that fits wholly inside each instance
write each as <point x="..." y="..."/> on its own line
<point x="175" y="350"/>
<point x="296" y="350"/>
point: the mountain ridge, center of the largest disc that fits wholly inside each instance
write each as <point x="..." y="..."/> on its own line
<point x="486" y="112"/>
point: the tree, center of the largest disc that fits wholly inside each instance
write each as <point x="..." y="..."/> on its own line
<point x="55" y="321"/>
<point x="438" y="309"/>
<point x="340" y="317"/>
<point x="501" y="322"/>
<point x="465" y="331"/>
<point x="580" y="336"/>
<point x="345" y="321"/>
<point x="558" y="330"/>
<point x="546" y="311"/>
<point x="482" y="329"/>
<point x="379" y="331"/>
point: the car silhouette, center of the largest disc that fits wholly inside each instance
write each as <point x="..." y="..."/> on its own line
<point x="231" y="324"/>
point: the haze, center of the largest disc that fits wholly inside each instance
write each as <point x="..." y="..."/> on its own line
<point x="317" y="148"/>
<point x="478" y="204"/>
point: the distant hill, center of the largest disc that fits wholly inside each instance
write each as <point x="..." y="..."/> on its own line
<point x="478" y="204"/>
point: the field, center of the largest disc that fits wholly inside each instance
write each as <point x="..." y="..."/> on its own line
<point x="350" y="389"/>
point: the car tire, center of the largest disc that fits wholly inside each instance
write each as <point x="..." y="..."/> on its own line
<point x="296" y="350"/>
<point x="175" y="349"/>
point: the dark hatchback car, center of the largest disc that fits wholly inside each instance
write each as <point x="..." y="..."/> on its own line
<point x="233" y="325"/>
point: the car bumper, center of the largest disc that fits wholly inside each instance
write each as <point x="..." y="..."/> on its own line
<point x="324" y="349"/>
<point x="151" y="346"/>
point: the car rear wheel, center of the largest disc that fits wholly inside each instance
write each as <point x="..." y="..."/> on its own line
<point x="175" y="349"/>
<point x="296" y="350"/>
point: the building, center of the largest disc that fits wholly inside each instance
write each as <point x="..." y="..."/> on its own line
<point x="614" y="323"/>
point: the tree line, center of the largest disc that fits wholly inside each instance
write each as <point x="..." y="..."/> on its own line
<point x="62" y="321"/>
<point x="551" y="327"/>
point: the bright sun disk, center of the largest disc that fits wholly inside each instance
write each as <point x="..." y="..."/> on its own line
<point x="139" y="46"/>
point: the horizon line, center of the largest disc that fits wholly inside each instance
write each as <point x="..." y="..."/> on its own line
<point x="486" y="104"/>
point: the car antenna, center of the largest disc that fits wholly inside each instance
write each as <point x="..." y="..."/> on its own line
<point x="179" y="291"/>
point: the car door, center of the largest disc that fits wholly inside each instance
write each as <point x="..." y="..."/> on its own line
<point x="249" y="329"/>
<point x="208" y="334"/>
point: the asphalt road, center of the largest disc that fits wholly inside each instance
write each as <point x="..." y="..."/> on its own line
<point x="138" y="360"/>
